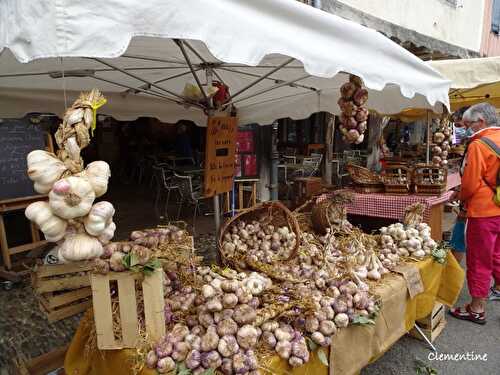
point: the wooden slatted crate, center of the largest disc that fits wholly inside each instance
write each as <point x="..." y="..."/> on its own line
<point x="57" y="306"/>
<point x="154" y="304"/>
<point x="433" y="324"/>
<point x="397" y="179"/>
<point x="47" y="364"/>
<point x="430" y="179"/>
<point x="62" y="290"/>
<point x="52" y="278"/>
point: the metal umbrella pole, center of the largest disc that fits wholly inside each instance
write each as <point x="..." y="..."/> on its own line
<point x="428" y="143"/>
<point x="216" y="196"/>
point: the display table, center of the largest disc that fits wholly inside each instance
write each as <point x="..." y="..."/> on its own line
<point x="353" y="348"/>
<point x="393" y="207"/>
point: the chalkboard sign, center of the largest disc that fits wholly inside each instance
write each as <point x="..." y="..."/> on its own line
<point x="17" y="139"/>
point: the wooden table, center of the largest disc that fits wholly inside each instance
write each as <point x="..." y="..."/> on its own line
<point x="393" y="207"/>
<point x="188" y="169"/>
<point x="353" y="348"/>
<point x="9" y="205"/>
<point x="174" y="159"/>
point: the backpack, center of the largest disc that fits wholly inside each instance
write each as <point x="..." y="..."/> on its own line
<point x="496" y="150"/>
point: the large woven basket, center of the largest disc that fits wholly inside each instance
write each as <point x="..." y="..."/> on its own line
<point x="278" y="215"/>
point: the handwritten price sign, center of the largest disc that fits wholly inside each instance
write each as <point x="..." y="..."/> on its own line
<point x="219" y="155"/>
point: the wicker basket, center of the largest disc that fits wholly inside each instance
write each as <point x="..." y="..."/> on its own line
<point x="397" y="179"/>
<point x="277" y="214"/>
<point x="330" y="212"/>
<point x="430" y="179"/>
<point x="365" y="181"/>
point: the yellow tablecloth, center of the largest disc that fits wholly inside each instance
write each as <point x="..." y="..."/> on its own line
<point x="353" y="348"/>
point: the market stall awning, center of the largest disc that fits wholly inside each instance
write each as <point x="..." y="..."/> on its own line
<point x="472" y="81"/>
<point x="280" y="58"/>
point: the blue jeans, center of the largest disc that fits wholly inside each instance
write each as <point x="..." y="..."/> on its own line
<point x="457" y="241"/>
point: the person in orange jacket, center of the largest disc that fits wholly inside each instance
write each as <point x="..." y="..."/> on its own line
<point x="480" y="169"/>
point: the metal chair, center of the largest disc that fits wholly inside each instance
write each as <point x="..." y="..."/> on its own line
<point x="150" y="161"/>
<point x="139" y="170"/>
<point x="290" y="159"/>
<point x="164" y="182"/>
<point x="311" y="165"/>
<point x="191" y="196"/>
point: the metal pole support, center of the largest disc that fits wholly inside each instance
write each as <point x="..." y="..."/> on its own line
<point x="274" y="162"/>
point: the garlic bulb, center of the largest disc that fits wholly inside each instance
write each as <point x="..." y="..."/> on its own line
<point x="107" y="234"/>
<point x="71" y="197"/>
<point x="80" y="246"/>
<point x="44" y="169"/>
<point x="74" y="116"/>
<point x="72" y="148"/>
<point x="99" y="217"/>
<point x="53" y="227"/>
<point x="98" y="174"/>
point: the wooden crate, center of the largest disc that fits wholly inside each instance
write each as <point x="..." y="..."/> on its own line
<point x="154" y="304"/>
<point x="305" y="188"/>
<point x="397" y="179"/>
<point x="432" y="325"/>
<point x="52" y="278"/>
<point x="41" y="365"/>
<point x="57" y="306"/>
<point x="430" y="179"/>
<point x="369" y="188"/>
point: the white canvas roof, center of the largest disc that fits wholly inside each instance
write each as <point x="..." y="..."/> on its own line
<point x="300" y="53"/>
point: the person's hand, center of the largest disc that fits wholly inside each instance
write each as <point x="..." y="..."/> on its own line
<point x="454" y="196"/>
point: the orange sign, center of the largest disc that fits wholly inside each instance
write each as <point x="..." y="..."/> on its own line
<point x="219" y="155"/>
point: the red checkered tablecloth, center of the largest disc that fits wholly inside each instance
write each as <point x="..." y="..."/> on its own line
<point x="390" y="206"/>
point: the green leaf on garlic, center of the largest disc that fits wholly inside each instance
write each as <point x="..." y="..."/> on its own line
<point x="362" y="320"/>
<point x="208" y="371"/>
<point x="312" y="346"/>
<point x="323" y="358"/>
<point x="151" y="266"/>
<point x="181" y="369"/>
<point x="440" y="253"/>
<point x="131" y="262"/>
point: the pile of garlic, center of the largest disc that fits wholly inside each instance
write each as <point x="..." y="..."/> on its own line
<point x="220" y="331"/>
<point x="258" y="240"/>
<point x="70" y="218"/>
<point x="370" y="266"/>
<point x="337" y="303"/>
<point x="222" y="328"/>
<point x="143" y="244"/>
<point x="412" y="240"/>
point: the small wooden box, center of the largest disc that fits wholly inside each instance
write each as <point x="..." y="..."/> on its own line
<point x="154" y="304"/>
<point x="62" y="290"/>
<point x="57" y="306"/>
<point x="432" y="325"/>
<point x="430" y="179"/>
<point x="52" y="278"/>
<point x="305" y="188"/>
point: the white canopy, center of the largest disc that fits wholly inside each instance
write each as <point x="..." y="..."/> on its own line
<point x="469" y="73"/>
<point x="280" y="58"/>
